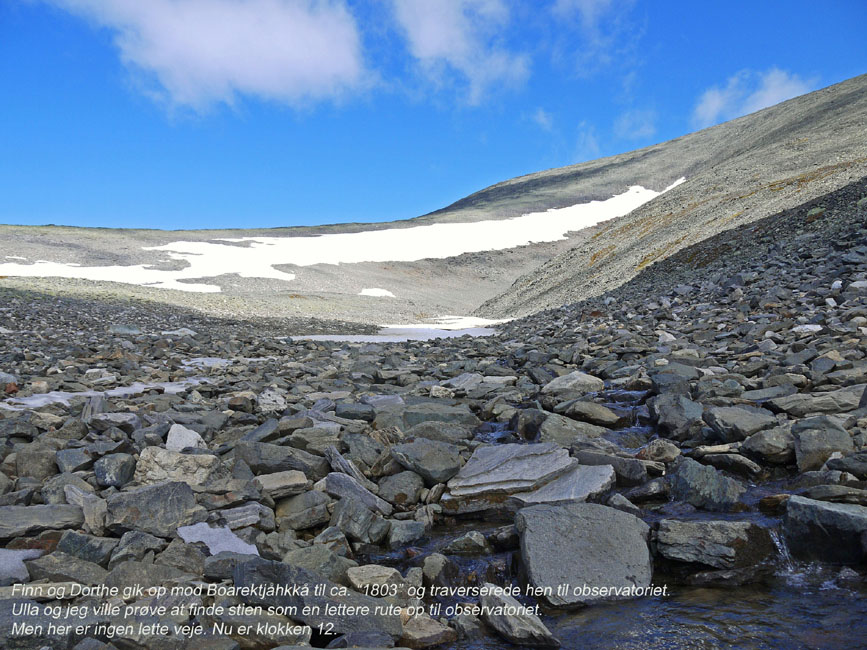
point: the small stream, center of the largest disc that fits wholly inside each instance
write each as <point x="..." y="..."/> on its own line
<point x="795" y="605"/>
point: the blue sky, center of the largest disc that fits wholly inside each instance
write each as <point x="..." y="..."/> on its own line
<point x="260" y="113"/>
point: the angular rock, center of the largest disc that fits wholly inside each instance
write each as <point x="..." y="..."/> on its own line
<point x="401" y="489"/>
<point x="704" y="487"/>
<point x="358" y="522"/>
<point x="21" y="521"/>
<point x="816" y="439"/>
<point x="283" y="484"/>
<point x="828" y="532"/>
<point x="180" y="438"/>
<point x="720" y="544"/>
<point x="303" y="511"/>
<point x="522" y="628"/>
<point x="342" y="486"/>
<point x="436" y="462"/>
<point x="156" y="465"/>
<point x="265" y="458"/>
<point x="596" y="546"/>
<point x="734" y="423"/>
<point x="575" y="384"/>
<point x="775" y="446"/>
<point x="677" y="415"/>
<point x="836" y="401"/>
<point x="578" y="484"/>
<point x="114" y="470"/>
<point x="158" y="509"/>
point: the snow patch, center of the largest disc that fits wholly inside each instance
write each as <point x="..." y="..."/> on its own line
<point x="377" y="293"/>
<point x="258" y="257"/>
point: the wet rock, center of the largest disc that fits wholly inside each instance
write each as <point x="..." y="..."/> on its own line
<point x="597" y="546"/>
<point x="828" y="532"/>
<point x="704" y="487"/>
<point x="472" y="543"/>
<point x="522" y="627"/>
<point x="720" y="544"/>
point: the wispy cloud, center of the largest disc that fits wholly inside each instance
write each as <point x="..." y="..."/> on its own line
<point x="198" y="53"/>
<point x="746" y="92"/>
<point x="635" y="124"/>
<point x="586" y="143"/>
<point x="461" y="36"/>
<point x="606" y="31"/>
<point x="543" y="119"/>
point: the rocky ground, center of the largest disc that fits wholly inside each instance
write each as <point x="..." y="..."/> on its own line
<point x="686" y="428"/>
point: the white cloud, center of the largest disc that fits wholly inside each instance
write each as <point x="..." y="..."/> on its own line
<point x="202" y="52"/>
<point x="543" y="118"/>
<point x="635" y="124"/>
<point x="746" y="92"/>
<point x="461" y="36"/>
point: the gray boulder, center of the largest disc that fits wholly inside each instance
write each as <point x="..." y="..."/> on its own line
<point x="734" y="423"/>
<point x="816" y="439"/>
<point x="575" y="384"/>
<point x="828" y="532"/>
<point x="436" y="462"/>
<point x="600" y="552"/>
<point x="775" y="446"/>
<point x="704" y="487"/>
<point x="719" y="544"/>
<point x="156" y="509"/>
<point x="303" y="511"/>
<point x="21" y="521"/>
<point x="677" y="415"/>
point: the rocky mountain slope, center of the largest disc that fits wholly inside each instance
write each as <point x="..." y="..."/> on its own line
<point x="737" y="172"/>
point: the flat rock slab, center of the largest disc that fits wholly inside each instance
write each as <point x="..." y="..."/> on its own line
<point x="835" y="401"/>
<point x="578" y="484"/>
<point x="508" y="469"/>
<point x="829" y="532"/>
<point x="574" y="384"/>
<point x="584" y="544"/>
<point x="20" y="521"/>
